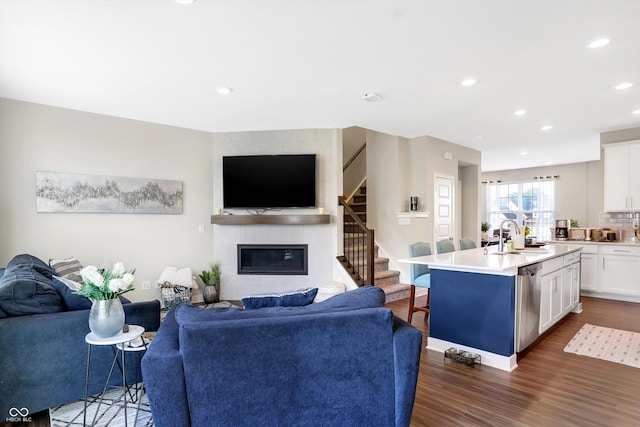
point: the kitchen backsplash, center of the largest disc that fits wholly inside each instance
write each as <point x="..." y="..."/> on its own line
<point x="620" y="222"/>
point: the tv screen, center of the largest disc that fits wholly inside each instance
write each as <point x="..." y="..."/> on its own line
<point x="269" y="181"/>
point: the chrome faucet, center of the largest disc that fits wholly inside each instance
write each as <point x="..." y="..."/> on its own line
<point x="501" y="241"/>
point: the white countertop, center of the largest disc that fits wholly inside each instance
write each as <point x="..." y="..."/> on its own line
<point x="474" y="260"/>
<point x="592" y="242"/>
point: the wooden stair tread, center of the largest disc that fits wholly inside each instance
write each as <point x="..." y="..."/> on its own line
<point x="396" y="292"/>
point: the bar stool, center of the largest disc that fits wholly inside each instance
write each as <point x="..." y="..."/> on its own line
<point x="445" y="245"/>
<point x="420" y="277"/>
<point x="467" y="243"/>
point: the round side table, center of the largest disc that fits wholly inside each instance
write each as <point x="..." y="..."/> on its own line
<point x="121" y="339"/>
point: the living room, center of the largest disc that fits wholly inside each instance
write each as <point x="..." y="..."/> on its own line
<point x="173" y="125"/>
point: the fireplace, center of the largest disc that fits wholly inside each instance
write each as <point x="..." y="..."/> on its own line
<point x="273" y="259"/>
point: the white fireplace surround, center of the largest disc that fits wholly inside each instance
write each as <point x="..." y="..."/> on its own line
<point x="322" y="239"/>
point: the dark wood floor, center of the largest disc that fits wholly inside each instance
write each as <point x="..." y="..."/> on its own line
<point x="549" y="387"/>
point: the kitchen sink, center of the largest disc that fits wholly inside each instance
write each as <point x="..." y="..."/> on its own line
<point x="532" y="251"/>
<point x="522" y="252"/>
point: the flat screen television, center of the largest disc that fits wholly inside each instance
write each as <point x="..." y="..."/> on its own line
<point x="269" y="181"/>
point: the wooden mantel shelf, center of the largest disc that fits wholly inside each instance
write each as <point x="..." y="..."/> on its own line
<point x="270" y="219"/>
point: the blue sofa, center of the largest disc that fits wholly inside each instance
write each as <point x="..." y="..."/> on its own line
<point x="345" y="361"/>
<point x="43" y="352"/>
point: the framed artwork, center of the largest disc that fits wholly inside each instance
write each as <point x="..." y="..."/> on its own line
<point x="69" y="192"/>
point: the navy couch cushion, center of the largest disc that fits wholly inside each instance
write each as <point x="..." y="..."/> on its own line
<point x="295" y="298"/>
<point x="363" y="297"/>
<point x="26" y="288"/>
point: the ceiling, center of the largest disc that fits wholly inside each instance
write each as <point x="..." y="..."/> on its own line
<point x="307" y="63"/>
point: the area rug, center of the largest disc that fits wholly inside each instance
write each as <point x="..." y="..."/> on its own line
<point x="111" y="412"/>
<point x="608" y="344"/>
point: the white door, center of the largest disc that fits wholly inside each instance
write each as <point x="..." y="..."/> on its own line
<point x="443" y="206"/>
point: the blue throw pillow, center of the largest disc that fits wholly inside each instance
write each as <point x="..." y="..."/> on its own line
<point x="66" y="289"/>
<point x="298" y="298"/>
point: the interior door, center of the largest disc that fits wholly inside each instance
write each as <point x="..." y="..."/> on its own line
<point x="444" y="208"/>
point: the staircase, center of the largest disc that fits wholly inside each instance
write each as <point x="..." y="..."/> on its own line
<point x="386" y="279"/>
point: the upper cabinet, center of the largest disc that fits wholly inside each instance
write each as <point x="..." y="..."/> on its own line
<point x="622" y="176"/>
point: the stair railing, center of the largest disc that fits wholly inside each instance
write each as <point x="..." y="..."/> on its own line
<point x="354" y="157"/>
<point x="358" y="248"/>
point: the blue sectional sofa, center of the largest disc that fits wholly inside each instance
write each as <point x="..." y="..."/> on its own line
<point x="43" y="352"/>
<point x="345" y="361"/>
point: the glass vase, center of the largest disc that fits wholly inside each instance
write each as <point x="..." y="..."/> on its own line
<point x="106" y="317"/>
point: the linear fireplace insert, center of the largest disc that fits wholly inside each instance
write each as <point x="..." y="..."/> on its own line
<point x="273" y="259"/>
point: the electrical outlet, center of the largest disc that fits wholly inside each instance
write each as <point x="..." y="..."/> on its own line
<point x="146" y="285"/>
<point x="201" y="229"/>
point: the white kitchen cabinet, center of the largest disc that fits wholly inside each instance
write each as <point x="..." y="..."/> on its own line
<point x="550" y="299"/>
<point x="575" y="285"/>
<point x="621" y="176"/>
<point x="559" y="289"/>
<point x="567" y="289"/>
<point x="589" y="272"/>
<point x="619" y="270"/>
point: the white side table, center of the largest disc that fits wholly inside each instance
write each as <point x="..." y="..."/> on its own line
<point x="136" y="346"/>
<point x="121" y="338"/>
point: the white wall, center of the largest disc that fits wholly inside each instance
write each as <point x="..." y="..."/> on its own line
<point x="398" y="168"/>
<point x="578" y="190"/>
<point x="35" y="137"/>
<point x="322" y="239"/>
<point x="352" y="139"/>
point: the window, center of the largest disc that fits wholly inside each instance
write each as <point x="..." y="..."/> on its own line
<point x="529" y="203"/>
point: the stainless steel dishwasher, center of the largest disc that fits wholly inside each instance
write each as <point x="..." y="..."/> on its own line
<point x="528" y="306"/>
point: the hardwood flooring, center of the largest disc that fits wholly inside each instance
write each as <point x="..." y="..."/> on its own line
<point x="549" y="387"/>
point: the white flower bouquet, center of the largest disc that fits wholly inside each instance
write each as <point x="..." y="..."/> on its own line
<point x="105" y="284"/>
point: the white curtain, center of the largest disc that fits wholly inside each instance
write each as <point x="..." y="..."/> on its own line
<point x="529" y="203"/>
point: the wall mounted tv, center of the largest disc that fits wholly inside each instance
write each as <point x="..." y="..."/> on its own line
<point x="269" y="181"/>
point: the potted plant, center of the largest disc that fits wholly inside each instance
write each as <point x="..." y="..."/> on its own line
<point x="485" y="229"/>
<point x="211" y="280"/>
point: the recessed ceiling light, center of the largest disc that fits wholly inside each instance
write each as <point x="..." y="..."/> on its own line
<point x="185" y="1"/>
<point x="549" y="162"/>
<point x="598" y="43"/>
<point x="520" y="112"/>
<point x="468" y="82"/>
<point x="636" y="111"/>
<point x="371" y="97"/>
<point x="547" y="127"/>
<point x="524" y="153"/>
<point x="224" y="90"/>
<point x="622" y="86"/>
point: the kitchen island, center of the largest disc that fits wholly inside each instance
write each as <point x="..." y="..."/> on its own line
<point x="487" y="302"/>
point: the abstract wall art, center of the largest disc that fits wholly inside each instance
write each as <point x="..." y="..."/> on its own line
<point x="69" y="192"/>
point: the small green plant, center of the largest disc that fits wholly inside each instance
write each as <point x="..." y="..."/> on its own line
<point x="485" y="227"/>
<point x="209" y="277"/>
<point x="574" y="223"/>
